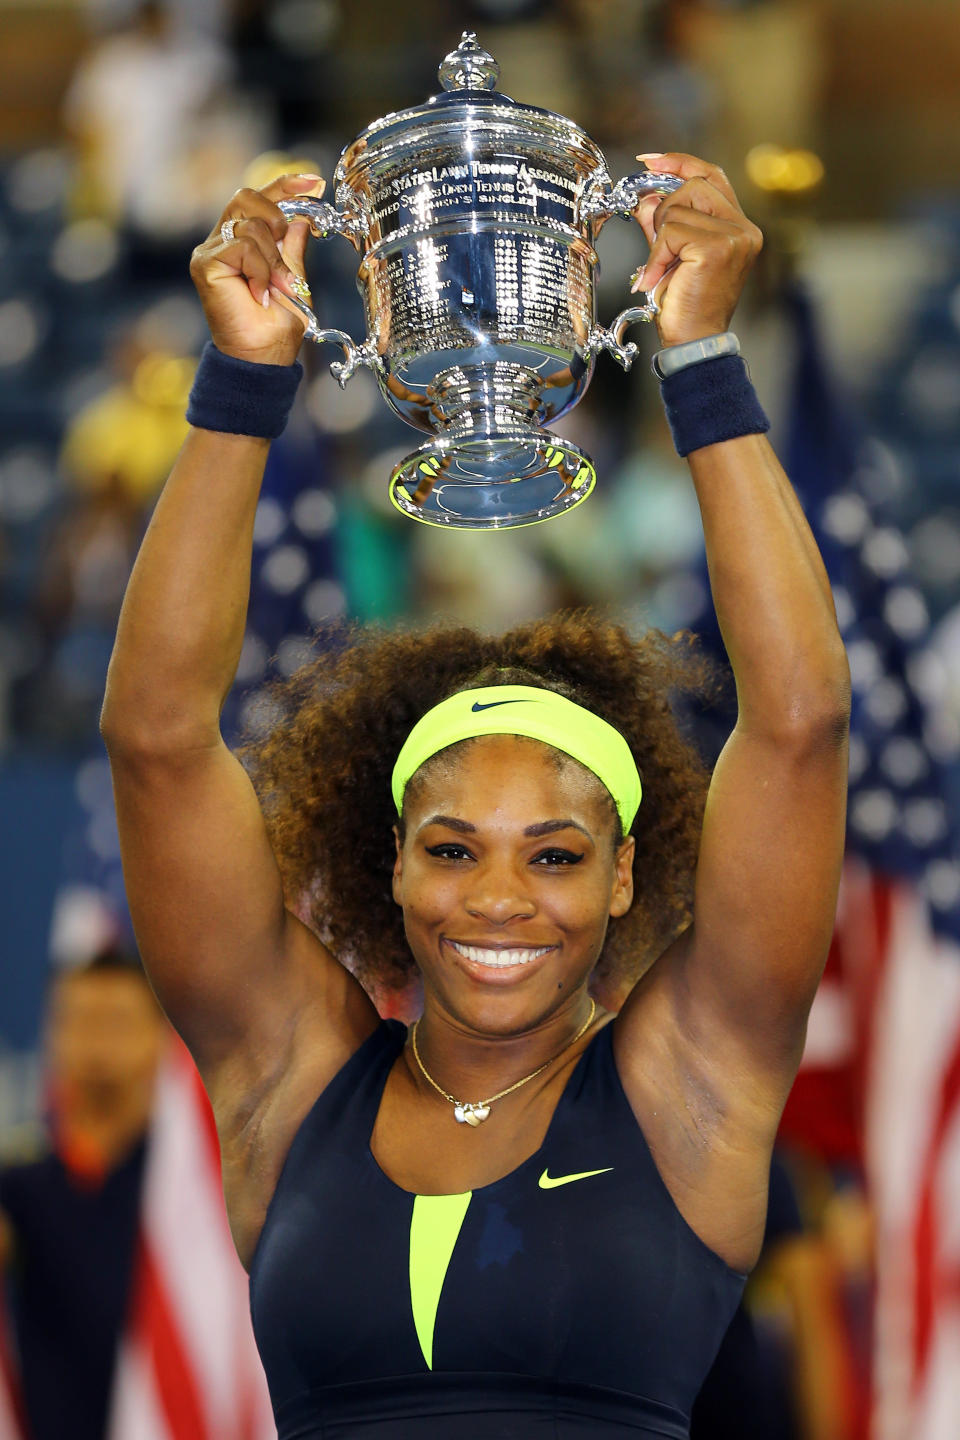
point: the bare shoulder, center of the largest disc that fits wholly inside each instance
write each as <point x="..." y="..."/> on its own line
<point x="710" y="1128"/>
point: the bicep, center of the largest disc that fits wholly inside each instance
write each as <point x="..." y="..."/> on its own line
<point x="741" y="979"/>
<point x="766" y="887"/>
<point x="230" y="965"/>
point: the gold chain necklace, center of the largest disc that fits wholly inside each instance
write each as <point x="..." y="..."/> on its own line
<point x="467" y="1113"/>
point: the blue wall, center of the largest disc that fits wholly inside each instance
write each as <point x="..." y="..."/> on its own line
<point x="39" y="813"/>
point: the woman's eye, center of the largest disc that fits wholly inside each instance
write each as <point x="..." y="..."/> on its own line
<point x="557" y="857"/>
<point x="449" y="852"/>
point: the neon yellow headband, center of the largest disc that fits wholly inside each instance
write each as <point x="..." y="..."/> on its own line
<point x="525" y="710"/>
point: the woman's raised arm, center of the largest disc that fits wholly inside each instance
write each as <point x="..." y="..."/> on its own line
<point x="238" y="975"/>
<point x="740" y="981"/>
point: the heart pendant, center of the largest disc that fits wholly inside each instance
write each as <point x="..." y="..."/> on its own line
<point x="469" y="1114"/>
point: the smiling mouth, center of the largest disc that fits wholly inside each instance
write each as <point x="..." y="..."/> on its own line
<point x="499" y="959"/>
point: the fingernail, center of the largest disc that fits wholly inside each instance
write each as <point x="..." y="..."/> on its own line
<point x="299" y="287"/>
<point x="651" y="155"/>
<point x="265" y="302"/>
<point x="637" y="278"/>
<point x="307" y="175"/>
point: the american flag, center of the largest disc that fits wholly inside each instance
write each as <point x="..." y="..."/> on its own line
<point x="12" y="1419"/>
<point x="880" y="1081"/>
<point x="188" y="1367"/>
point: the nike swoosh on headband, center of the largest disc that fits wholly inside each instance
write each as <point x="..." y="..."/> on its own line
<point x="490" y="704"/>
<point x="549" y="717"/>
<point x="548" y="1182"/>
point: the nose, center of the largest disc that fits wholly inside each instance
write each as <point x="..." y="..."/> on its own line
<point x="499" y="894"/>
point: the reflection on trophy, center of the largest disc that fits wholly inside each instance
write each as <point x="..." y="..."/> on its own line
<point x="475" y="217"/>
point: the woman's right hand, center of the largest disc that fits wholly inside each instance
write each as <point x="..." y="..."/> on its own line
<point x="233" y="278"/>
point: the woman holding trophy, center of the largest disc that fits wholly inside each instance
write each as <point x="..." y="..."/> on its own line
<point x="527" y="1215"/>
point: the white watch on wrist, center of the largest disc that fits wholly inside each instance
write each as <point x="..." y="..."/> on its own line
<point x="693" y="352"/>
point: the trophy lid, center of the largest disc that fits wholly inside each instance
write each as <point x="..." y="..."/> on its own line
<point x="469" y="103"/>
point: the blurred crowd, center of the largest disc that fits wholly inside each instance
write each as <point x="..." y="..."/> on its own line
<point x="156" y="112"/>
<point x="167" y="109"/>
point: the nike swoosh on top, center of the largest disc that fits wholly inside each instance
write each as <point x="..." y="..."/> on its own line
<point x="547" y="1182"/>
<point x="490" y="704"/>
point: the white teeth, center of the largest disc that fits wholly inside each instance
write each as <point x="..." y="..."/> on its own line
<point x="498" y="958"/>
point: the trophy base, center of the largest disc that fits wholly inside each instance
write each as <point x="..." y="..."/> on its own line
<point x="492" y="482"/>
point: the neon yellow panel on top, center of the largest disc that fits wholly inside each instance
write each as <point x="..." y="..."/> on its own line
<point x="434" y="1229"/>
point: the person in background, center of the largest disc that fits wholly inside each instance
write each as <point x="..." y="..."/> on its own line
<point x="68" y="1220"/>
<point x="155" y="120"/>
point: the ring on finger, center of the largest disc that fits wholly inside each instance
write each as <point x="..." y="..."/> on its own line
<point x="299" y="287"/>
<point x="228" y="230"/>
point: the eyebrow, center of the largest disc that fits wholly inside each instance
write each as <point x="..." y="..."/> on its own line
<point x="543" y="827"/>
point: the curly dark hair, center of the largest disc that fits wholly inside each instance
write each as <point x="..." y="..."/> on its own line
<point x="322" y="773"/>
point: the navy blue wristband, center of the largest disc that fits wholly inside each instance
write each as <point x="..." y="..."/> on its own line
<point x="711" y="401"/>
<point x="240" y="397"/>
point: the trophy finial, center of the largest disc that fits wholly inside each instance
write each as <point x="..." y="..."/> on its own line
<point x="469" y="67"/>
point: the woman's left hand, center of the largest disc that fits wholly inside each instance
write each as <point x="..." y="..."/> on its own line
<point x="702" y="242"/>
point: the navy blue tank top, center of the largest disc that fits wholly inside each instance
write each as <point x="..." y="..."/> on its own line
<point x="570" y="1299"/>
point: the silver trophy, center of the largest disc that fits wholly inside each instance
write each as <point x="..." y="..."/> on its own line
<point x="475" y="218"/>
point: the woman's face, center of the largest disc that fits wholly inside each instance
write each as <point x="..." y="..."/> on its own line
<point x="507" y="876"/>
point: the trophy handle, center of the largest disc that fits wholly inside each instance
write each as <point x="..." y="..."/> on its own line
<point x="604" y="199"/>
<point x="326" y="220"/>
<point x="602" y="338"/>
<point x="611" y="337"/>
